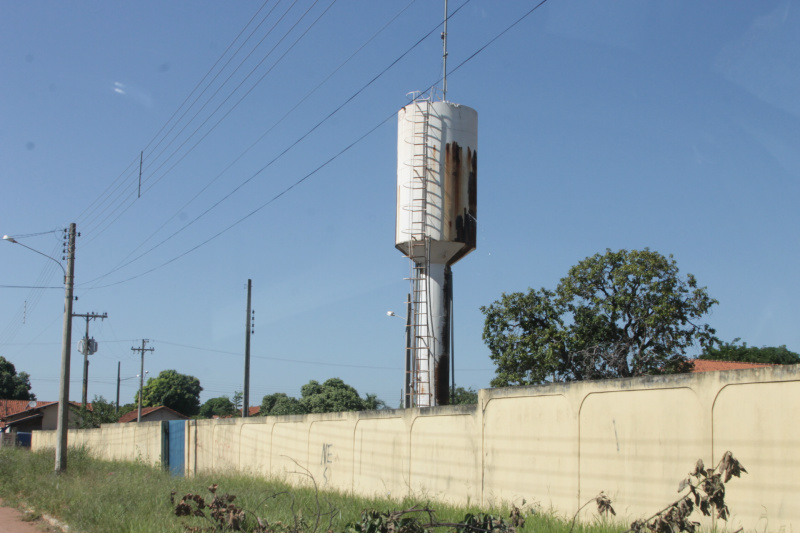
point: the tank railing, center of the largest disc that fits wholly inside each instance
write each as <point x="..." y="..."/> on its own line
<point x="428" y="95"/>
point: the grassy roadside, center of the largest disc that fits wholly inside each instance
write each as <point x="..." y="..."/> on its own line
<point x="101" y="496"/>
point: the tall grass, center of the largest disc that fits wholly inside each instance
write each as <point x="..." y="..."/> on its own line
<point x="101" y="496"/>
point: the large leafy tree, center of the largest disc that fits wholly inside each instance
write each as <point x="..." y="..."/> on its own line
<point x="280" y="404"/>
<point x="334" y="395"/>
<point x="13" y="385"/>
<point x="731" y="351"/>
<point x="330" y="397"/>
<point x="172" y="389"/>
<point x="221" y="406"/>
<point x="618" y="314"/>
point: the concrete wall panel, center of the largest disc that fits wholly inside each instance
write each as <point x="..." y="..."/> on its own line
<point x="330" y="453"/>
<point x="201" y="446"/>
<point x="530" y="446"/>
<point x="760" y="424"/>
<point x="225" y="442"/>
<point x="380" y="458"/>
<point x="289" y="448"/>
<point x="445" y="452"/>
<point x="254" y="446"/>
<point x="636" y="446"/>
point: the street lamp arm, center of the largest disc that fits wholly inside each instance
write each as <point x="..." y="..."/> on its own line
<point x="14" y="241"/>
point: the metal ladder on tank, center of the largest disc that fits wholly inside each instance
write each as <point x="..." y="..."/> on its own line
<point x="419" y="254"/>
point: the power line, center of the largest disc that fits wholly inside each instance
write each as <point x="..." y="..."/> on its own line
<point x="96" y="204"/>
<point x="36" y="289"/>
<point x="212" y="69"/>
<point x="122" y="263"/>
<point x="230" y="76"/>
<point x="29" y="287"/>
<point x="198" y="128"/>
<point x="296" y="142"/>
<point x="275" y="159"/>
<point x="287" y="360"/>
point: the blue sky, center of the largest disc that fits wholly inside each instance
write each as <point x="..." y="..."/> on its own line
<point x="627" y="124"/>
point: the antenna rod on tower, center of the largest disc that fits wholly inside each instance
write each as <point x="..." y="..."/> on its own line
<point x="444" y="54"/>
<point x="141" y="156"/>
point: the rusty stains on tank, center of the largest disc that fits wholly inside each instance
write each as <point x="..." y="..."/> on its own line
<point x="461" y="197"/>
<point x="441" y="363"/>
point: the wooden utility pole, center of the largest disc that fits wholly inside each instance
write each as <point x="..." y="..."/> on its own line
<point x="87" y="351"/>
<point x="116" y="409"/>
<point x="141" y="374"/>
<point x="248" y="332"/>
<point x="66" y="340"/>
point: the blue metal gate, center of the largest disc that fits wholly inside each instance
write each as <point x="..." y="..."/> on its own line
<point x="176" y="437"/>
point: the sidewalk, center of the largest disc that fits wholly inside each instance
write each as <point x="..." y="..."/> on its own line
<point x="11" y="522"/>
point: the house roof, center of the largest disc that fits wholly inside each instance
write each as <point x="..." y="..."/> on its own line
<point x="28" y="418"/>
<point x="14" y="408"/>
<point x="708" y="365"/>
<point x="253" y="410"/>
<point x="132" y="416"/>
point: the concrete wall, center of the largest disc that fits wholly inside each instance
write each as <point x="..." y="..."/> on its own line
<point x="124" y="442"/>
<point x="557" y="445"/>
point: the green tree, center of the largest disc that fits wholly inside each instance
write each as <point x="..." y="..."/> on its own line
<point x="730" y="351"/>
<point x="238" y="401"/>
<point x="102" y="412"/>
<point x="462" y="396"/>
<point x="373" y="403"/>
<point x="279" y="404"/>
<point x="330" y="397"/>
<point x="334" y="395"/>
<point x="172" y="389"/>
<point x="221" y="406"/>
<point x="618" y="314"/>
<point x="13" y="385"/>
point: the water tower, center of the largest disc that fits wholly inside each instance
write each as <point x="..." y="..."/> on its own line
<point x="437" y="169"/>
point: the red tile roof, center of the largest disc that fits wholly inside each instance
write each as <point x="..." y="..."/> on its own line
<point x="707" y="365"/>
<point x="132" y="416"/>
<point x="13" y="407"/>
<point x="252" y="410"/>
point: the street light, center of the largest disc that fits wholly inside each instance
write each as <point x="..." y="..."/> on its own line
<point x="66" y="340"/>
<point x="409" y="362"/>
<point x="124" y="379"/>
<point x="14" y="241"/>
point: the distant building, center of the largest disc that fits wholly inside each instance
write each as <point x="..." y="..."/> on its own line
<point x="150" y="414"/>
<point x="26" y="416"/>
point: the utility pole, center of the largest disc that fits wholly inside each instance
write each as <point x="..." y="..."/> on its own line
<point x="88" y="348"/>
<point x="409" y="358"/>
<point x="116" y="409"/>
<point x="66" y="340"/>
<point x="141" y="374"/>
<point x="248" y="332"/>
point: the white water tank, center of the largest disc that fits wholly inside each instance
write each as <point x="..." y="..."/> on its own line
<point x="437" y="173"/>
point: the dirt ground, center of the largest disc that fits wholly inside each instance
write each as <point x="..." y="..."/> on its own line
<point x="11" y="521"/>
